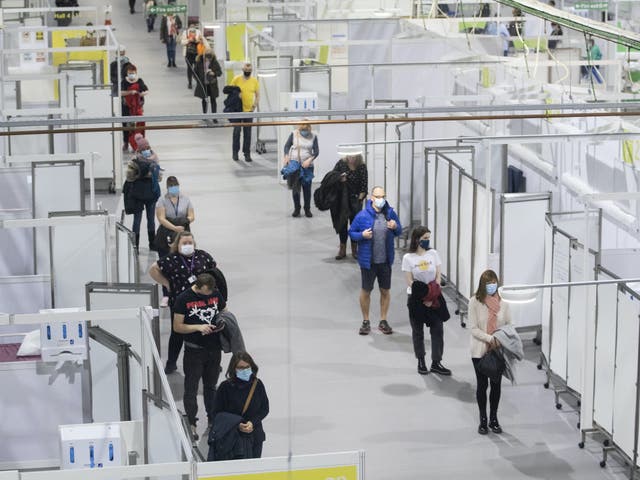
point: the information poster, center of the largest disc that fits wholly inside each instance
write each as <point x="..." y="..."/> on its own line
<point x="30" y="40"/>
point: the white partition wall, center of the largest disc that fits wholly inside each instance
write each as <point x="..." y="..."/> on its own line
<point x="454" y="227"/>
<point x="25" y="293"/>
<point x="560" y="305"/>
<point x="442" y="212"/>
<point x="483" y="232"/>
<point x="522" y="245"/>
<point x="546" y="293"/>
<point x="465" y="236"/>
<point x="127" y="266"/>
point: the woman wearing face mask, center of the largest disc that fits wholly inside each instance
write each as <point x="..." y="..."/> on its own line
<point x="175" y="214"/>
<point x="207" y="70"/>
<point x="353" y="172"/>
<point x="302" y="147"/>
<point x="242" y="400"/>
<point x="133" y="90"/>
<point x="487" y="312"/>
<point x="177" y="271"/>
<point x="427" y="306"/>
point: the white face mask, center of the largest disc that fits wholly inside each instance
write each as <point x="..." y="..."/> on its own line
<point x="379" y="203"/>
<point x="187" y="249"/>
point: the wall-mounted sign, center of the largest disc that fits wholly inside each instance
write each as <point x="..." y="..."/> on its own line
<point x="165" y="9"/>
<point x="591" y="6"/>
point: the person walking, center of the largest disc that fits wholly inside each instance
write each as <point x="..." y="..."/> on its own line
<point x="150" y="17"/>
<point x="196" y="317"/>
<point x="192" y="40"/>
<point x="250" y="95"/>
<point x="374" y="228"/>
<point x="170" y="27"/>
<point x="243" y="395"/>
<point x="133" y="91"/>
<point x="177" y="271"/>
<point x="487" y="313"/>
<point x="207" y="71"/>
<point x="354" y="173"/>
<point x="175" y="214"/>
<point x="301" y="147"/>
<point x="426" y="305"/>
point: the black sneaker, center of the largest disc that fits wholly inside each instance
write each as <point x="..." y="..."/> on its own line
<point x="235" y="157"/>
<point x="189" y="86"/>
<point x="495" y="426"/>
<point x="440" y="369"/>
<point x="296" y="213"/>
<point x="365" y="328"/>
<point x="307" y="213"/>
<point x="482" y="428"/>
<point x="422" y="367"/>
<point x="385" y="328"/>
<point x="247" y="158"/>
<point x="170" y="368"/>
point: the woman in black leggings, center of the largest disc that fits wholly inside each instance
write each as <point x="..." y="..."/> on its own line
<point x="487" y="312"/>
<point x="354" y="173"/>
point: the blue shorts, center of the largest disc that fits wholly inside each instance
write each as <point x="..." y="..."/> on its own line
<point x="381" y="271"/>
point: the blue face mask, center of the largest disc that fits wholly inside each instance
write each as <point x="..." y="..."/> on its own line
<point x="244" y="374"/>
<point x="146" y="153"/>
<point x="492" y="288"/>
<point x="174" y="191"/>
<point x="425" y="244"/>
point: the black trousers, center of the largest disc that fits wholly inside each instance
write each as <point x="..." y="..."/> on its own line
<point x="436" y="329"/>
<point x="481" y="392"/>
<point x="246" y="137"/>
<point x="355" y="205"/>
<point x="214" y="106"/>
<point x="190" y="60"/>
<point x="200" y="363"/>
<point x="175" y="341"/>
<point x="306" y="193"/>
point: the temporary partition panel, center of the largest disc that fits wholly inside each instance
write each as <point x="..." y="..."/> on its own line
<point x="560" y="304"/>
<point x="274" y="78"/>
<point x="442" y="213"/>
<point x="454" y="228"/>
<point x="29" y="144"/>
<point x="15" y="202"/>
<point x="58" y="186"/>
<point x="465" y="236"/>
<point x="315" y="79"/>
<point x="96" y="102"/>
<point x="25" y="293"/>
<point x="483" y="232"/>
<point x="400" y="179"/>
<point x="546" y="293"/>
<point x="522" y="245"/>
<point x="127" y="266"/>
<point x="78" y="73"/>
<point x="79" y="255"/>
<point x="604" y="371"/>
<point x="103" y="296"/>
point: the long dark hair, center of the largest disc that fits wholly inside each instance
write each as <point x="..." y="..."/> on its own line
<point x="236" y="359"/>
<point x="415" y="237"/>
<point x="488" y="276"/>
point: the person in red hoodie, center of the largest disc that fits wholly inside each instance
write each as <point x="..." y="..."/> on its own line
<point x="133" y="91"/>
<point x="427" y="306"/>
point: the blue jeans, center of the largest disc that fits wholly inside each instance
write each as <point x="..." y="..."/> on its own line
<point x="171" y="49"/>
<point x="150" y="207"/>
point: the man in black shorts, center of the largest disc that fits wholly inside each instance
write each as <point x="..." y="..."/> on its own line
<point x="374" y="228"/>
<point x="196" y="317"/>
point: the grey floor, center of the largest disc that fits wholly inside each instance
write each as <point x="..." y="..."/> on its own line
<point x="331" y="389"/>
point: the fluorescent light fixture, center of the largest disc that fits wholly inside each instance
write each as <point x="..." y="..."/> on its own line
<point x="348" y="150"/>
<point x="524" y="295"/>
<point x="211" y="26"/>
<point x="382" y="13"/>
<point x="267" y="73"/>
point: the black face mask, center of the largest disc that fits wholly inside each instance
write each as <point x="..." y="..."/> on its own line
<point x="247" y="74"/>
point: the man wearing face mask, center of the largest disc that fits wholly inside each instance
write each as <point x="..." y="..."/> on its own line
<point x="178" y="271"/>
<point x="301" y="147"/>
<point x="374" y="228"/>
<point x="195" y="316"/>
<point x="250" y="95"/>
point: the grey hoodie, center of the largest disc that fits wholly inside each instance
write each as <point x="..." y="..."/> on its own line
<point x="511" y="347"/>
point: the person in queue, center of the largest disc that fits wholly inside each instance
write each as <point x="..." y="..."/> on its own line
<point x="207" y="70"/>
<point x="354" y="174"/>
<point x="487" y="312"/>
<point x="196" y="317"/>
<point x="374" y="228"/>
<point x="133" y="91"/>
<point x="422" y="264"/>
<point x="244" y="394"/>
<point x="175" y="214"/>
<point x="250" y="95"/>
<point x="177" y="271"/>
<point x="170" y="26"/>
<point x="302" y="147"/>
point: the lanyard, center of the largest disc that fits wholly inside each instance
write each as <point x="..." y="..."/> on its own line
<point x="193" y="257"/>
<point x="176" y="206"/>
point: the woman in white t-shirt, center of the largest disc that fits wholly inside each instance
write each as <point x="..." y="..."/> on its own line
<point x="422" y="263"/>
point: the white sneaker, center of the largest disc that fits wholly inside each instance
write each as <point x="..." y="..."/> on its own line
<point x="164" y="302"/>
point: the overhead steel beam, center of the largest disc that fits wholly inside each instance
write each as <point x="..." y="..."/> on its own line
<point x="575" y="22"/>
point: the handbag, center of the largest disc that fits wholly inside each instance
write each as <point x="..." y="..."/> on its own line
<point x="492" y="365"/>
<point x="250" y="397"/>
<point x="165" y="237"/>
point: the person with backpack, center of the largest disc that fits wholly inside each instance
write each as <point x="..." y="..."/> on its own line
<point x="353" y="172"/>
<point x="300" y="151"/>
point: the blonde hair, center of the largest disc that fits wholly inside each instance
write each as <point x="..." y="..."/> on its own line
<point x="176" y="241"/>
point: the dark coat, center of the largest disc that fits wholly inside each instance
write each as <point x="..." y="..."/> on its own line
<point x="164" y="32"/>
<point x="419" y="312"/>
<point x="226" y="442"/>
<point x="231" y="396"/>
<point x="141" y="190"/>
<point x="233" y="102"/>
<point x="207" y="80"/>
<point x="329" y="195"/>
<point x="231" y="337"/>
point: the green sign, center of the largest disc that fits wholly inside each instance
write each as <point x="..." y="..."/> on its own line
<point x="591" y="6"/>
<point x="166" y="9"/>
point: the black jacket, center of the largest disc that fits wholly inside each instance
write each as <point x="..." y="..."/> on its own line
<point x="206" y="84"/>
<point x="419" y="312"/>
<point x="226" y="442"/>
<point x="332" y="194"/>
<point x="233" y="102"/>
<point x="140" y="191"/>
<point x="164" y="31"/>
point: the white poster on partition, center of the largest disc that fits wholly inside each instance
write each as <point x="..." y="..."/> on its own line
<point x="33" y="59"/>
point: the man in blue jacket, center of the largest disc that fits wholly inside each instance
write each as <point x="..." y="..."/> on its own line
<point x="374" y="228"/>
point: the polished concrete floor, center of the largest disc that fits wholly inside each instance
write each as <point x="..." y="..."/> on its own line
<point x="331" y="389"/>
